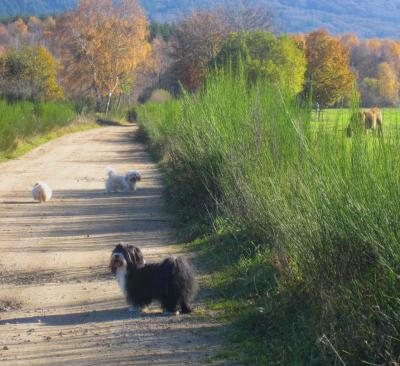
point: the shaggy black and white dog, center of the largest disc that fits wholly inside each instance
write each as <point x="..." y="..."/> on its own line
<point x="172" y="281"/>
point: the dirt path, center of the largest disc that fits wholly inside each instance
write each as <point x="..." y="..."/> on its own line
<point x="58" y="303"/>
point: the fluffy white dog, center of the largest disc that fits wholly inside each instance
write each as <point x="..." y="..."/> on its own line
<point x="122" y="183"/>
<point x="41" y="192"/>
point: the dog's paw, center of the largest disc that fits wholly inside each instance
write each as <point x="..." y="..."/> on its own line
<point x="169" y="313"/>
<point x="136" y="309"/>
<point x="133" y="309"/>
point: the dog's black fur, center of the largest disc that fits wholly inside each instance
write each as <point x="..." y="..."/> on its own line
<point x="172" y="281"/>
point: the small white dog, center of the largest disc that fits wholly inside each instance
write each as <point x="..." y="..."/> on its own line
<point x="41" y="192"/>
<point x="122" y="183"/>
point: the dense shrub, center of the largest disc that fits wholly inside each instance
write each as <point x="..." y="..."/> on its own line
<point x="317" y="210"/>
<point x="277" y="59"/>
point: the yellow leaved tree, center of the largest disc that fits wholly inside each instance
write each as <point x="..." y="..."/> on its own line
<point x="103" y="44"/>
<point x="388" y="84"/>
<point x="29" y="73"/>
<point x="329" y="77"/>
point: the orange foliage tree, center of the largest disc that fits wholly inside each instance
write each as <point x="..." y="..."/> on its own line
<point x="102" y="44"/>
<point x="377" y="63"/>
<point x="350" y="40"/>
<point x="23" y="33"/>
<point x="328" y="73"/>
<point x="299" y="39"/>
<point x="388" y="83"/>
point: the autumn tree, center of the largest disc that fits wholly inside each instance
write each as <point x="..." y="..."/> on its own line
<point x="200" y="36"/>
<point x="30" y="73"/>
<point x="299" y="39"/>
<point x="103" y="43"/>
<point x="388" y="84"/>
<point x="377" y="65"/>
<point x="328" y="75"/>
<point x="245" y="16"/>
<point x="4" y="35"/>
<point x="22" y="33"/>
<point x="160" y="72"/>
<point x="35" y="29"/>
<point x="276" y="59"/>
<point x="19" y="33"/>
<point x="366" y="56"/>
<point x="350" y="40"/>
<point x="198" y="40"/>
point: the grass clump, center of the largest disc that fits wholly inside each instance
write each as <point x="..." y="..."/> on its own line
<point x="22" y="121"/>
<point x="302" y="224"/>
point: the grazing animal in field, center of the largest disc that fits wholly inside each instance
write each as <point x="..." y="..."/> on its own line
<point x="171" y="281"/>
<point x="122" y="183"/>
<point x="41" y="192"/>
<point x="370" y="119"/>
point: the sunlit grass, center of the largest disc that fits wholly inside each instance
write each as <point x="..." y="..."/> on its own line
<point x="21" y="121"/>
<point x="24" y="146"/>
<point x="303" y="223"/>
<point x="24" y="126"/>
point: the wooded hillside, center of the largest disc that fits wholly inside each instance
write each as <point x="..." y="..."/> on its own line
<point x="369" y="19"/>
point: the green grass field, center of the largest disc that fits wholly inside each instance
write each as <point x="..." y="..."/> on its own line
<point x="341" y="117"/>
<point x="299" y="230"/>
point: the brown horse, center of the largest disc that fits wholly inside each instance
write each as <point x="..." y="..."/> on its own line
<point x="370" y="119"/>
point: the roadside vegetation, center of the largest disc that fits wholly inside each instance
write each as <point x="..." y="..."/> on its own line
<point x="21" y="121"/>
<point x="298" y="224"/>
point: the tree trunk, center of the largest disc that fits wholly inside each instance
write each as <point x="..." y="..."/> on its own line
<point x="98" y="99"/>
<point x="110" y="94"/>
<point x="119" y="100"/>
<point x="108" y="102"/>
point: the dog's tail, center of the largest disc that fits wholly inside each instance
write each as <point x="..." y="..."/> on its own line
<point x="185" y="283"/>
<point x="111" y="172"/>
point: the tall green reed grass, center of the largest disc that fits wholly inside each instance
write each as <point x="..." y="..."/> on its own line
<point x="322" y="210"/>
<point x="21" y="120"/>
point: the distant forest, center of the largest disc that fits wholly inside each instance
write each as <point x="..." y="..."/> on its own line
<point x="34" y="7"/>
<point x="367" y="18"/>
